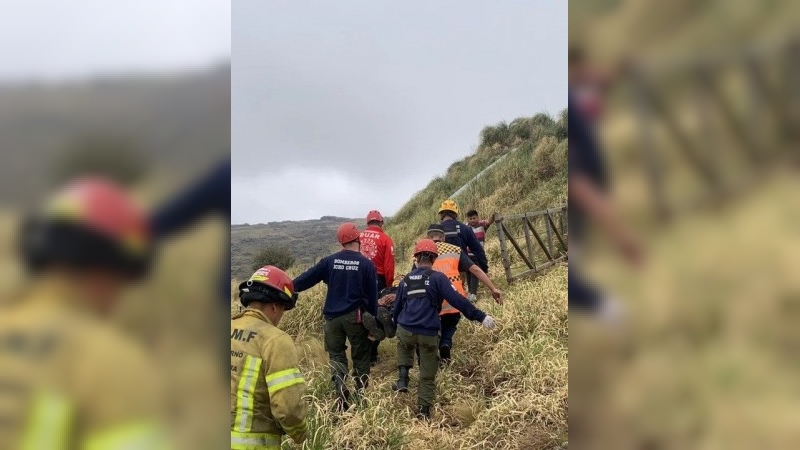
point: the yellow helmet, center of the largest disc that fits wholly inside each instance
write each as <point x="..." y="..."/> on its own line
<point x="449" y="205"/>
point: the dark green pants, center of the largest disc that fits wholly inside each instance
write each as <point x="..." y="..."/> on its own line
<point x="338" y="331"/>
<point x="428" y="361"/>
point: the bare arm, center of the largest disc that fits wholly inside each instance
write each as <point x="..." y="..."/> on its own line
<point x="599" y="208"/>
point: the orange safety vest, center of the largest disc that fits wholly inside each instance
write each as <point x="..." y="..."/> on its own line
<point x="447" y="263"/>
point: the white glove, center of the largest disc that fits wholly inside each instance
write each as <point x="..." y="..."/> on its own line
<point x="488" y="322"/>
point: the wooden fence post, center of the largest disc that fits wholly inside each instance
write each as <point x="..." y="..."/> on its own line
<point x="503" y="249"/>
<point x="653" y="165"/>
<point x="529" y="242"/>
<point x="743" y="139"/>
<point x="549" y="234"/>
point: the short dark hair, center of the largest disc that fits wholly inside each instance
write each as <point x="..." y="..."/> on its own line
<point x="426" y="257"/>
<point x="471" y="213"/>
<point x="374" y="221"/>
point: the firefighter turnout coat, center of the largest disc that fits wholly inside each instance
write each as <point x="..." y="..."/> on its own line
<point x="266" y="385"/>
<point x="69" y="380"/>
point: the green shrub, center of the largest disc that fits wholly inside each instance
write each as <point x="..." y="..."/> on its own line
<point x="113" y="156"/>
<point x="498" y="134"/>
<point x="273" y="256"/>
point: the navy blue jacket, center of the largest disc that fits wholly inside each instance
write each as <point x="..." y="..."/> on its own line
<point x="585" y="158"/>
<point x="352" y="283"/>
<point x="467" y="240"/>
<point x="211" y="194"/>
<point x="419" y="316"/>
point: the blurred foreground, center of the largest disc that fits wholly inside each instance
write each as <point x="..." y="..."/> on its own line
<point x="700" y="134"/>
<point x="503" y="390"/>
<point x="155" y="136"/>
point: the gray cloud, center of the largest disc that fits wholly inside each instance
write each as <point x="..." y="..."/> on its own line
<point x="53" y="39"/>
<point x="358" y="105"/>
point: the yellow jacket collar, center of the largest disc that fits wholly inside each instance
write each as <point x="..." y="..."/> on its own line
<point x="252" y="312"/>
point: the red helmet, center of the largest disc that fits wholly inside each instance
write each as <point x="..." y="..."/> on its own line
<point x="426" y="246"/>
<point x="374" y="215"/>
<point x="269" y="284"/>
<point x="92" y="223"/>
<point x="348" y="232"/>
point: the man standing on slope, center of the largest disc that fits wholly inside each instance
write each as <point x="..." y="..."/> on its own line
<point x="266" y="385"/>
<point x="352" y="290"/>
<point x="479" y="227"/>
<point x="379" y="248"/>
<point x="460" y="234"/>
<point x="589" y="196"/>
<point x="416" y="312"/>
<point x="451" y="262"/>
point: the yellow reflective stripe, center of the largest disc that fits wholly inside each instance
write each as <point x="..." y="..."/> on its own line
<point x="283" y="379"/>
<point x="245" y="394"/>
<point x="255" y="441"/>
<point x="134" y="436"/>
<point x="285" y="384"/>
<point x="280" y="374"/>
<point x="49" y="423"/>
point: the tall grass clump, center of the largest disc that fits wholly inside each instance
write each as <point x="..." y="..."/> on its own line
<point x="505" y="389"/>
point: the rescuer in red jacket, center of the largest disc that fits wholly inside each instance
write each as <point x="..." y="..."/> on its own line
<point x="379" y="248"/>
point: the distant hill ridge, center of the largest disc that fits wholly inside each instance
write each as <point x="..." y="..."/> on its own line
<point x="307" y="240"/>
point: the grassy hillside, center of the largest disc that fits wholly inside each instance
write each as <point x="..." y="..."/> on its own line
<point x="175" y="123"/>
<point x="532" y="176"/>
<point x="505" y="389"/>
<point x="660" y="29"/>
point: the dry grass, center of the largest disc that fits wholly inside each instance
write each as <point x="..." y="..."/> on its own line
<point x="505" y="389"/>
<point x="534" y="177"/>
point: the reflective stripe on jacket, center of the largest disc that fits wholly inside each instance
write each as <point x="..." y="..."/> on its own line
<point x="266" y="385"/>
<point x="85" y="385"/>
<point x="447" y="263"/>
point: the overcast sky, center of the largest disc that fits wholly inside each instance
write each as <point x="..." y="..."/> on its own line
<point x="343" y="107"/>
<point x="56" y="40"/>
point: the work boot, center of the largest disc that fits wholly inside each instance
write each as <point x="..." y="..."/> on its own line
<point x="342" y="394"/>
<point x="385" y="320"/>
<point x="373" y="353"/>
<point x="370" y="322"/>
<point x="444" y="354"/>
<point x="424" y="412"/>
<point x="402" y="380"/>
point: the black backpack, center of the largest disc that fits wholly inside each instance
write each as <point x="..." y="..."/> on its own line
<point x="418" y="289"/>
<point x="452" y="233"/>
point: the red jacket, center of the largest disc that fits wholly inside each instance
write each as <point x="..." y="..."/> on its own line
<point x="379" y="248"/>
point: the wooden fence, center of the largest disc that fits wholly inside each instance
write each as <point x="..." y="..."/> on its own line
<point x="538" y="240"/>
<point x="759" y="118"/>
